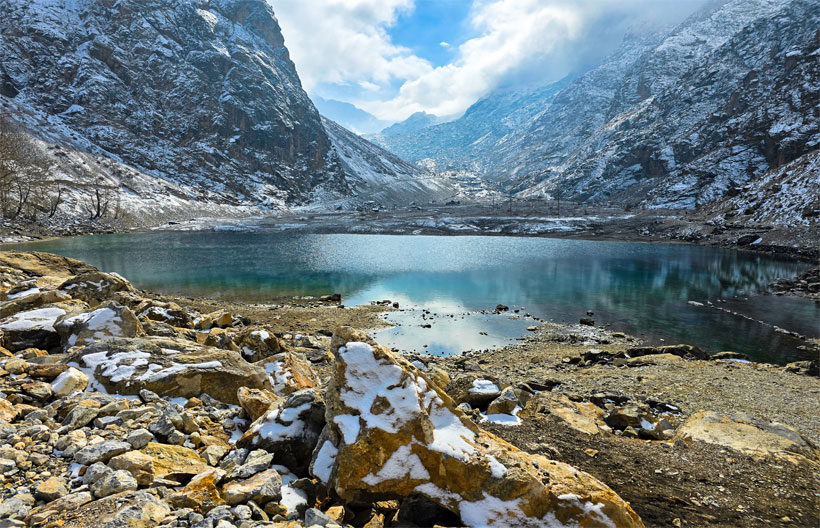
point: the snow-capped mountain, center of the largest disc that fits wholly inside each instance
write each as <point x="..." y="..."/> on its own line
<point x="679" y="118"/>
<point x="468" y="142"/>
<point x="376" y="175"/>
<point x="194" y="102"/>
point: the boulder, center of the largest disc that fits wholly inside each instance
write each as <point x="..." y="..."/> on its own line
<point x="107" y="321"/>
<point x="43" y="265"/>
<point x="289" y="430"/>
<point x="135" y="509"/>
<point x="258" y="343"/>
<point x="808" y="368"/>
<point x="684" y="351"/>
<point x="256" y="462"/>
<point x="655" y="359"/>
<point x="160" y="329"/>
<point x="170" y="461"/>
<point x="32" y="329"/>
<point x="31" y="302"/>
<point x="169" y="367"/>
<point x="224" y="338"/>
<point x="585" y="417"/>
<point x="70" y="381"/>
<point x="623" y="417"/>
<point x="392" y="433"/>
<point x="256" y="402"/>
<point x="7" y="411"/>
<point x="80" y="416"/>
<point x="289" y="373"/>
<point x="51" y="489"/>
<point x="169" y="313"/>
<point x="728" y="355"/>
<point x="748" y="435"/>
<point x="476" y="391"/>
<point x="113" y="482"/>
<point x="506" y="402"/>
<point x="140" y="465"/>
<point x="101" y="452"/>
<point x="57" y="509"/>
<point x="201" y="493"/>
<point x="261" y="488"/>
<point x="214" y="319"/>
<point x="47" y="372"/>
<point x="95" y="287"/>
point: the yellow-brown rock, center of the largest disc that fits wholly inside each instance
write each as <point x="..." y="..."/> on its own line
<point x="257" y="402"/>
<point x="49" y="268"/>
<point x="7" y="411"/>
<point x="393" y="433"/>
<point x="30" y="302"/>
<point x="215" y="319"/>
<point x="128" y="365"/>
<point x="108" y="320"/>
<point x="170" y="460"/>
<point x="261" y="488"/>
<point x="258" y="343"/>
<point x="139" y="464"/>
<point x="170" y="313"/>
<point x="94" y="287"/>
<point x="201" y="493"/>
<point x="290" y="373"/>
<point x="131" y="509"/>
<point x="748" y="435"/>
<point x="224" y="338"/>
<point x="585" y="417"/>
<point x="290" y="430"/>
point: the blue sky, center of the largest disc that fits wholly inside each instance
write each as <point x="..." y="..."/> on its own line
<point x="431" y="23"/>
<point x="387" y="58"/>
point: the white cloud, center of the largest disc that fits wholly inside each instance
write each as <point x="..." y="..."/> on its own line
<point x="511" y="32"/>
<point x="345" y="42"/>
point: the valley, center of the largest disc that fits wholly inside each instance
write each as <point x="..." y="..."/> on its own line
<point x="283" y="264"/>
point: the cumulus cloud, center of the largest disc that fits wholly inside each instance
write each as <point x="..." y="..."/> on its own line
<point x="346" y="42"/>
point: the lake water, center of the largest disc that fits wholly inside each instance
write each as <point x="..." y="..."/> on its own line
<point x="643" y="289"/>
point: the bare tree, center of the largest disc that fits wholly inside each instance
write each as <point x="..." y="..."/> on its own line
<point x="99" y="199"/>
<point x="23" y="171"/>
<point x="54" y="200"/>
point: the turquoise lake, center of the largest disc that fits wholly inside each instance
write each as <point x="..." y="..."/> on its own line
<point x="643" y="289"/>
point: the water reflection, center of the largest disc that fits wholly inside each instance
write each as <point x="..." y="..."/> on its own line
<point x="638" y="288"/>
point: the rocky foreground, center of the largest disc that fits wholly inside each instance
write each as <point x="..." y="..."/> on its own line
<point x="121" y="409"/>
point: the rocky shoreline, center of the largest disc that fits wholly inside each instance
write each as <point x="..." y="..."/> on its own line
<point x="576" y="222"/>
<point x="125" y="408"/>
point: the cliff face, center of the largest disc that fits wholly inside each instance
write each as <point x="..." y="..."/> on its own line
<point x="185" y="106"/>
<point x="197" y="92"/>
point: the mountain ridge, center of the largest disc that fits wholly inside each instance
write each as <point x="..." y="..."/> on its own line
<point x="196" y="100"/>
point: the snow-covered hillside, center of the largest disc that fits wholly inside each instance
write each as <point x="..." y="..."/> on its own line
<point x="679" y="118"/>
<point x="184" y="105"/>
<point x="377" y="175"/>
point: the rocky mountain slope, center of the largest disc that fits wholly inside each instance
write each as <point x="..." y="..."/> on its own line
<point x="468" y="142"/>
<point x="377" y="175"/>
<point x="679" y="119"/>
<point x="196" y="100"/>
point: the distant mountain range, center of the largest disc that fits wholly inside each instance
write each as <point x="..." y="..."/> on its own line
<point x="349" y="116"/>
<point x="680" y="118"/>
